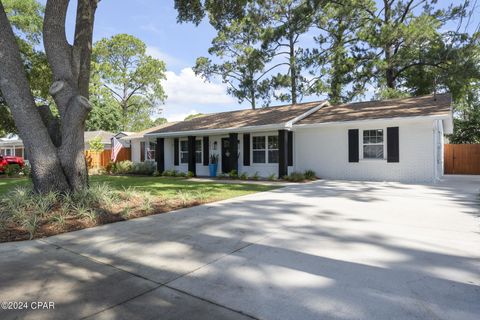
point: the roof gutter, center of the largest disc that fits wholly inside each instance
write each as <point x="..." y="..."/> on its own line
<point x="217" y="131"/>
<point x="355" y="122"/>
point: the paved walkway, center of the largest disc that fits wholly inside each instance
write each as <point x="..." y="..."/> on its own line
<point x="326" y="250"/>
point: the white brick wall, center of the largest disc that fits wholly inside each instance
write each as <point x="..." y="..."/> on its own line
<point x="325" y="150"/>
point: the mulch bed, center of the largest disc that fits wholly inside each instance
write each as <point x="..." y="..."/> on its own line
<point x="46" y="227"/>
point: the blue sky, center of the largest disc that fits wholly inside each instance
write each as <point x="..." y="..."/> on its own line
<point x="154" y="22"/>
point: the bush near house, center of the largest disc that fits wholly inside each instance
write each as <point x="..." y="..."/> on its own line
<point x="308" y="175"/>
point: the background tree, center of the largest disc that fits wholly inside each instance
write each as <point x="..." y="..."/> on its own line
<point x="397" y="32"/>
<point x="340" y="65"/>
<point x="132" y="78"/>
<point x="243" y="61"/>
<point x="287" y="21"/>
<point x="159" y="121"/>
<point x="26" y="19"/>
<point x="193" y="116"/>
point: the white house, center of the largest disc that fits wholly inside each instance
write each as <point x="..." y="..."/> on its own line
<point x="12" y="146"/>
<point x="391" y="140"/>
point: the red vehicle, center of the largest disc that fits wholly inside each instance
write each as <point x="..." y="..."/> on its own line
<point x="7" y="160"/>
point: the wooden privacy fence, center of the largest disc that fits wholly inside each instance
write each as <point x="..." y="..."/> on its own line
<point x="462" y="159"/>
<point x="101" y="160"/>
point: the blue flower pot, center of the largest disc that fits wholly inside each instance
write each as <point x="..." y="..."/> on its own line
<point x="213" y="169"/>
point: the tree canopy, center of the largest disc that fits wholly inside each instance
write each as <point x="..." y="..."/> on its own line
<point x="129" y="79"/>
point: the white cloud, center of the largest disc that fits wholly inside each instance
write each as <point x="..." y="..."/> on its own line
<point x="181" y="116"/>
<point x="188" y="94"/>
<point x="170" y="60"/>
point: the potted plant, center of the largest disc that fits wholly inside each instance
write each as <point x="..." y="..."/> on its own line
<point x="213" y="166"/>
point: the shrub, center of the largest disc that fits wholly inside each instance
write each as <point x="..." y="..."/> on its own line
<point x="180" y="174"/>
<point x="109" y="167"/>
<point x="233" y="174"/>
<point x="243" y="176"/>
<point x="295" y="177"/>
<point x="310" y="175"/>
<point x="26" y="170"/>
<point x="255" y="176"/>
<point x="214" y="159"/>
<point x="272" y="177"/>
<point x="12" y="170"/>
<point x="122" y="167"/>
<point x="184" y="196"/>
<point x="28" y="210"/>
<point x="190" y="174"/>
<point x="145" y="168"/>
<point x="96" y="145"/>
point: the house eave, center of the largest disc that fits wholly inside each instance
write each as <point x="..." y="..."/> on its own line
<point x="363" y="121"/>
<point x="207" y="132"/>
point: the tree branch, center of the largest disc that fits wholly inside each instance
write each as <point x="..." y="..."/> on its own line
<point x="82" y="45"/>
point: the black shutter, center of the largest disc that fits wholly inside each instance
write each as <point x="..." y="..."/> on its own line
<point x="290" y="148"/>
<point x="176" y="152"/>
<point x="246" y="149"/>
<point x="160" y="154"/>
<point x="206" y="150"/>
<point x="192" y="156"/>
<point x="142" y="151"/>
<point x="353" y="145"/>
<point x="233" y="138"/>
<point x="393" y="147"/>
<point x="282" y="153"/>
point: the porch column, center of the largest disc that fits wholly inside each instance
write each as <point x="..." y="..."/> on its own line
<point x="233" y="137"/>
<point x="282" y="153"/>
<point x="192" y="163"/>
<point x="160" y="154"/>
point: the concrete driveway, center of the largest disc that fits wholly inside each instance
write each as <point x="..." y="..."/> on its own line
<point x="325" y="250"/>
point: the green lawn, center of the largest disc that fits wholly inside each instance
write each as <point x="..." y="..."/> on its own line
<point x="10" y="183"/>
<point x="161" y="186"/>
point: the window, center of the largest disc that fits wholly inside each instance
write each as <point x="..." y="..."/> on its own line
<point x="151" y="151"/>
<point x="272" y="149"/>
<point x="373" y="144"/>
<point x="265" y="152"/>
<point x="184" y="151"/>
<point x="198" y="151"/>
<point x="258" y="147"/>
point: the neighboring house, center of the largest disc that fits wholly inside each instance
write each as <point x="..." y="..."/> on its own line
<point x="12" y="146"/>
<point x="392" y="140"/>
<point x="142" y="147"/>
<point x="105" y="137"/>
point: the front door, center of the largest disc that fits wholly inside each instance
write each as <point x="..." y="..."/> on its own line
<point x="226" y="156"/>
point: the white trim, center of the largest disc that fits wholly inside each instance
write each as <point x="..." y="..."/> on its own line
<point x="383" y="144"/>
<point x="360" y="122"/>
<point x="266" y="150"/>
<point x="218" y="131"/>
<point x="180" y="151"/>
<point x="290" y="123"/>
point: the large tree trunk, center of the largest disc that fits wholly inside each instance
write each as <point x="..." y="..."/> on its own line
<point x="390" y="70"/>
<point x="57" y="158"/>
<point x="293" y="69"/>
